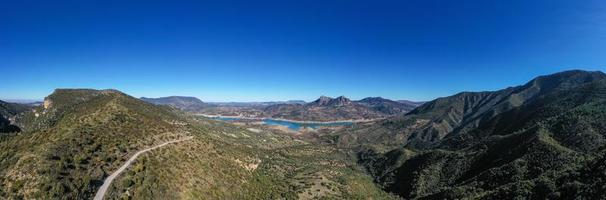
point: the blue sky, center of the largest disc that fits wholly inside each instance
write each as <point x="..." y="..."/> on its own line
<point x="280" y="50"/>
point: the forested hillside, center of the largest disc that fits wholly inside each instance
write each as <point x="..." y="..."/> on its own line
<point x="545" y="139"/>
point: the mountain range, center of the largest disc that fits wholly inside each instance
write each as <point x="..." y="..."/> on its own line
<point x="193" y="104"/>
<point x="340" y="108"/>
<point x="540" y="140"/>
<point x="322" y="109"/>
<point x="545" y="139"/>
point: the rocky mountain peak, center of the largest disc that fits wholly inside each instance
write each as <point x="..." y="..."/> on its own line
<point x="322" y="101"/>
<point x="328" y="101"/>
<point x="339" y="101"/>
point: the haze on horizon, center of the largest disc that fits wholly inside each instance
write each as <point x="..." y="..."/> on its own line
<point x="283" y="50"/>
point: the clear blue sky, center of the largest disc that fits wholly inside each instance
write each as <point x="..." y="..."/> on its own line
<point x="280" y="50"/>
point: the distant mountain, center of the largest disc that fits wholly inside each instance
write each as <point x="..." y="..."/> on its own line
<point x="322" y="109"/>
<point x="23" y="101"/>
<point x="542" y="140"/>
<point x="255" y="104"/>
<point x="245" y="109"/>
<point x="9" y="111"/>
<point x="327" y="101"/>
<point x="388" y="106"/>
<point x="412" y="103"/>
<point x="293" y="101"/>
<point x="340" y="108"/>
<point x="191" y="104"/>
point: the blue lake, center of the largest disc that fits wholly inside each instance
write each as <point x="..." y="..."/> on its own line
<point x="289" y="124"/>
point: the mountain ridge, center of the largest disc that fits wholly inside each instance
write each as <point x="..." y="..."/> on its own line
<point x="184" y="103"/>
<point x="522" y="141"/>
<point x="339" y="108"/>
<point x="460" y="112"/>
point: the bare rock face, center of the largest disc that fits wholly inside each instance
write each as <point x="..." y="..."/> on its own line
<point x="47" y="103"/>
<point x="327" y="101"/>
<point x="340" y="101"/>
<point x="322" y="101"/>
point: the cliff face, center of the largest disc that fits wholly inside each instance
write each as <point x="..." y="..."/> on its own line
<point x="47" y="103"/>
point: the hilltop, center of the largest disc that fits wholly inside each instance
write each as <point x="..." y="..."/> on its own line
<point x="69" y="143"/>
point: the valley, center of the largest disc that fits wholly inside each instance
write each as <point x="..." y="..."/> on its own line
<point x="543" y="139"/>
<point x="324" y="109"/>
<point x="309" y="100"/>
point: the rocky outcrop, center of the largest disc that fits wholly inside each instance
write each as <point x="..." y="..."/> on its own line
<point x="322" y="101"/>
<point x="47" y="103"/>
<point x="340" y="101"/>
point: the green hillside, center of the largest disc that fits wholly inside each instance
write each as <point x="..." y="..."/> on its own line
<point x="541" y="140"/>
<point x="79" y="136"/>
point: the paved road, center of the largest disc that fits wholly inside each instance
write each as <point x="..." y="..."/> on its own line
<point x="110" y="178"/>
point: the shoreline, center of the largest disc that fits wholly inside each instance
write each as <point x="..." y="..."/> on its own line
<point x="289" y="120"/>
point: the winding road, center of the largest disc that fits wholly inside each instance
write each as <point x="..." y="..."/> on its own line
<point x="108" y="181"/>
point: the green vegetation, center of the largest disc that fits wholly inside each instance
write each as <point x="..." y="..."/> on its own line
<point x="191" y="104"/>
<point x="230" y="162"/>
<point x="543" y="140"/>
<point x="70" y="144"/>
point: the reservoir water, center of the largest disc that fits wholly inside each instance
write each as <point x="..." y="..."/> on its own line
<point x="291" y="125"/>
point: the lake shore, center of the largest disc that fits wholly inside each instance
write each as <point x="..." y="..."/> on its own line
<point x="289" y="120"/>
